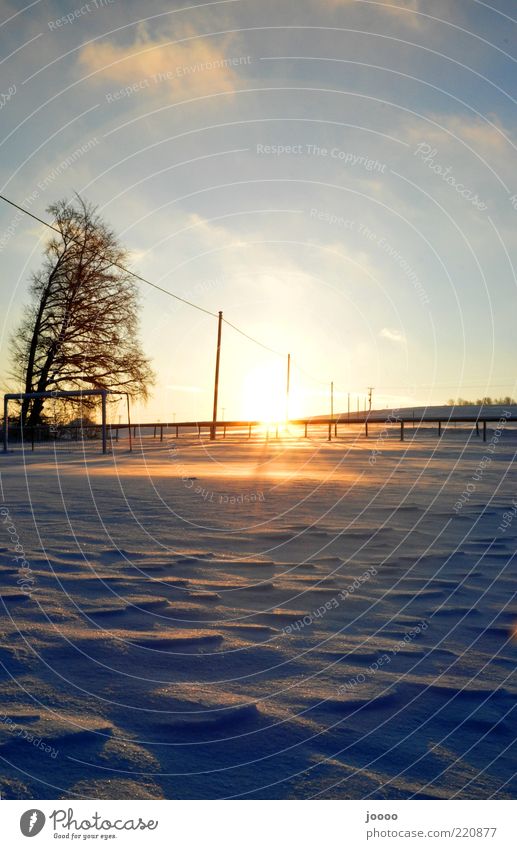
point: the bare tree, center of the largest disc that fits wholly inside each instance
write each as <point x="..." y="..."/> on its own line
<point x="487" y="401"/>
<point x="80" y="330"/>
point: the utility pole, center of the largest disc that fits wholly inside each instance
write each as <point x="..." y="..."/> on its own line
<point x="331" y="410"/>
<point x="287" y="388"/>
<point x="216" y="382"/>
<point x="370" y="390"/>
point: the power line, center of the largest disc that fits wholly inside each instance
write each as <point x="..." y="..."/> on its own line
<point x="149" y="282"/>
<point x="215" y="315"/>
<point x="252" y="339"/>
<point x="310" y="376"/>
<point x="114" y="264"/>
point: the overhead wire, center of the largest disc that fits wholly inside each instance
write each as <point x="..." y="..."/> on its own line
<point x="149" y="282"/>
<point x="195" y="306"/>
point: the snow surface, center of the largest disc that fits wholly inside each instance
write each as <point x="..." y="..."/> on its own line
<point x="260" y="619"/>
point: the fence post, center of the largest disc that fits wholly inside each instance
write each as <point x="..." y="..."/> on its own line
<point x="484" y="430"/>
<point x="402" y="431"/>
<point x="213" y="428"/>
<point x="6" y="424"/>
<point x="103" y="400"/>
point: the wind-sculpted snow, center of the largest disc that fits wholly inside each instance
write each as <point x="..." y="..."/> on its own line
<point x="347" y="635"/>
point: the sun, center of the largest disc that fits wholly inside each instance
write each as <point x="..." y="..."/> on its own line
<point x="264" y="395"/>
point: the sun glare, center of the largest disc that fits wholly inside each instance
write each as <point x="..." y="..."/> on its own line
<point x="264" y="396"/>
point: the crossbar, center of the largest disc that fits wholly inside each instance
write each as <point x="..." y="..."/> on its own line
<point x="63" y="393"/>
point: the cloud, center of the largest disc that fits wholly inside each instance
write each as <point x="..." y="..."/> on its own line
<point x="484" y="136"/>
<point x="189" y="66"/>
<point x="401" y="6"/>
<point x="403" y="9"/>
<point x="481" y="151"/>
<point x="393" y="335"/>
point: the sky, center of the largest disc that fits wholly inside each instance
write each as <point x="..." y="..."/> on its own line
<point x="336" y="176"/>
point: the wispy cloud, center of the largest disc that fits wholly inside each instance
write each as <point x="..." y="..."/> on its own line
<point x="484" y="135"/>
<point x="393" y="335"/>
<point x="189" y="65"/>
<point x="406" y="11"/>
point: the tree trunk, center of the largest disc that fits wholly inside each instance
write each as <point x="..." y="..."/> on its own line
<point x="38" y="403"/>
<point x="29" y="374"/>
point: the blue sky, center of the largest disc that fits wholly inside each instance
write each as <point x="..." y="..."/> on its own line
<point x="337" y="176"/>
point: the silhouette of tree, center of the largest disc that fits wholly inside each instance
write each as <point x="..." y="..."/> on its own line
<point x="80" y="329"/>
<point x="487" y="401"/>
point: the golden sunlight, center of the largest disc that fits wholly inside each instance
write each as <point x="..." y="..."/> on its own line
<point x="264" y="397"/>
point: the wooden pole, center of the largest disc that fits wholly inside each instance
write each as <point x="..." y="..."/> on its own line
<point x="216" y="382"/>
<point x="349" y="406"/>
<point x="331" y="410"/>
<point x="6" y="425"/>
<point x="305" y="428"/>
<point x="366" y="428"/>
<point x="288" y="387"/>
<point x="484" y="431"/>
<point x="129" y="424"/>
<point x="439" y="428"/>
<point x="103" y="414"/>
<point x="402" y="431"/>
